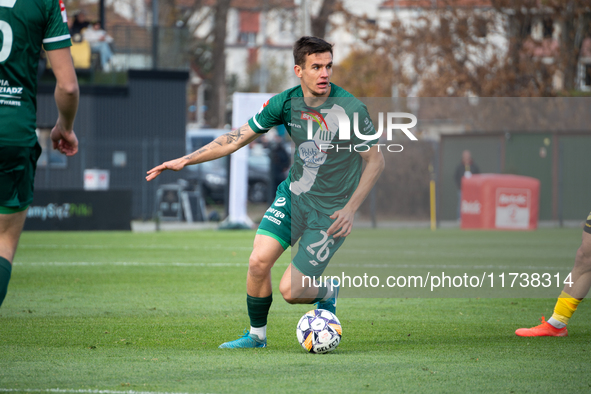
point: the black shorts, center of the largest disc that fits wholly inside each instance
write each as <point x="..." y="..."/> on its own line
<point x="17" y="175"/>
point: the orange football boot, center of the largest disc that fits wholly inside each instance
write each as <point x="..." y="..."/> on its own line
<point x="543" y="330"/>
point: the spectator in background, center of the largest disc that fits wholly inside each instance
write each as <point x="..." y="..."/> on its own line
<point x="280" y="163"/>
<point x="80" y="23"/>
<point x="465" y="169"/>
<point x="99" y="42"/>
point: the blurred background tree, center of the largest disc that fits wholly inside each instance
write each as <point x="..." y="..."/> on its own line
<point x="457" y="50"/>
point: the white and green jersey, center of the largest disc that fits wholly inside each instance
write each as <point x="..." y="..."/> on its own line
<point x="327" y="165"/>
<point x="25" y="25"/>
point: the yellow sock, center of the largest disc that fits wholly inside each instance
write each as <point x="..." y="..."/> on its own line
<point x="565" y="307"/>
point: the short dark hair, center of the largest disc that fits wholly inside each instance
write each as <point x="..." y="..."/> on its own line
<point x="307" y="46"/>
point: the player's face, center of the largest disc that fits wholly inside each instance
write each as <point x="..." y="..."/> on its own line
<point x="315" y="75"/>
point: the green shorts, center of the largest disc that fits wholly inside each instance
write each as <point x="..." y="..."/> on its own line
<point x="289" y="219"/>
<point x="17" y="177"/>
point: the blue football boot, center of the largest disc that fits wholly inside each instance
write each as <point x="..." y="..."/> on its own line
<point x="248" y="340"/>
<point x="330" y="304"/>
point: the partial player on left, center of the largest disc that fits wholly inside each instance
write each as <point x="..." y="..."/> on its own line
<point x="26" y="27"/>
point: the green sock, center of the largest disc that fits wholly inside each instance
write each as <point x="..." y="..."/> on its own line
<point x="5" y="270"/>
<point x="258" y="309"/>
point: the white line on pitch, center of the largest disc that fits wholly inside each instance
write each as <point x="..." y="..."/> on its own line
<point x="196" y="247"/>
<point x="450" y="266"/>
<point x="245" y="264"/>
<point x="84" y="391"/>
<point x="129" y="263"/>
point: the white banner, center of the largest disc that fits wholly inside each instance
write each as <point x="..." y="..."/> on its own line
<point x="244" y="105"/>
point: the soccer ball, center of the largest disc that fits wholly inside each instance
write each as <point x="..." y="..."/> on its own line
<point x="319" y="331"/>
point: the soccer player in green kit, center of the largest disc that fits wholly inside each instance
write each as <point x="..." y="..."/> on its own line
<point x="318" y="201"/>
<point x="25" y="27"/>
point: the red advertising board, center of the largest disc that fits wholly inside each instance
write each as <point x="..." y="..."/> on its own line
<point x="497" y="201"/>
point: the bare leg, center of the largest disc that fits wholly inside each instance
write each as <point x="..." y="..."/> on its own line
<point x="266" y="251"/>
<point x="567" y="305"/>
<point x="11" y="227"/>
<point x="581" y="272"/>
<point x="293" y="287"/>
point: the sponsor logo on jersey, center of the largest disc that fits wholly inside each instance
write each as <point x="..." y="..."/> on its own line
<point x="8" y="92"/>
<point x="14" y="103"/>
<point x="277" y="213"/>
<point x="280" y="202"/>
<point x="272" y="219"/>
<point x="63" y="11"/>
<point x="311" y="154"/>
<point x="315" y="116"/>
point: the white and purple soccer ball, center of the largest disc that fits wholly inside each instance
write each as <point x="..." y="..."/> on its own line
<point x="319" y="331"/>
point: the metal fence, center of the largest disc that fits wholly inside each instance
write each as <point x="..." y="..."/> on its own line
<point x="126" y="130"/>
<point x="127" y="163"/>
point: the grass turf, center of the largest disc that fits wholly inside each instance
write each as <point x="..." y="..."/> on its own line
<point x="146" y="312"/>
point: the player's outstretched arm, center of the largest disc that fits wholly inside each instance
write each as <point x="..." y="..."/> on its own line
<point x="343" y="223"/>
<point x="220" y="147"/>
<point x="66" y="98"/>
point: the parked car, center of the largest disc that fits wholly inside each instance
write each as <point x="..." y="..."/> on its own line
<point x="212" y="176"/>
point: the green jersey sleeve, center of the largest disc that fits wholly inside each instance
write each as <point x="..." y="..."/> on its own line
<point x="363" y="126"/>
<point x="56" y="34"/>
<point x="269" y="115"/>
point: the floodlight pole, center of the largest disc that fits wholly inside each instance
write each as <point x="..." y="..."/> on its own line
<point x="262" y="50"/>
<point x="155" y="12"/>
<point x="305" y="27"/>
<point x="102" y="13"/>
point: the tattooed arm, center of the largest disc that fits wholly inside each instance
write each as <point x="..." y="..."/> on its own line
<point x="221" y="146"/>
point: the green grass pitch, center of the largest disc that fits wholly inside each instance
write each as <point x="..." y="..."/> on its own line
<point x="121" y="312"/>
